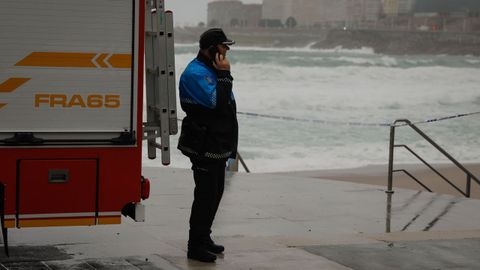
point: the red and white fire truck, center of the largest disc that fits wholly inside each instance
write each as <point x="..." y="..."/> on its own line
<point x="72" y="108"/>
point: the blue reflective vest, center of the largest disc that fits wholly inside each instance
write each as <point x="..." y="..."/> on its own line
<point x="198" y="85"/>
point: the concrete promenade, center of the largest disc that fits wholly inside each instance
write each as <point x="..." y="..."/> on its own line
<point x="270" y="221"/>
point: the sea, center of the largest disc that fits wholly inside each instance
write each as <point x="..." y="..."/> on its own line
<point x="311" y="109"/>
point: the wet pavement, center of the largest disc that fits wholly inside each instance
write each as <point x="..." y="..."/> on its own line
<point x="268" y="221"/>
<point x="51" y="257"/>
<point x="425" y="255"/>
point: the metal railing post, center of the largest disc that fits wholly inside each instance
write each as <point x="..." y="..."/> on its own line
<point x="243" y="163"/>
<point x="388" y="220"/>
<point x="390" y="159"/>
<point x="469" y="185"/>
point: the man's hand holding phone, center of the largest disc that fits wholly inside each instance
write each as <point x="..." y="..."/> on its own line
<point x="221" y="62"/>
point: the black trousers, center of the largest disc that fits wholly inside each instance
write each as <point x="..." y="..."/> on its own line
<point x="209" y="176"/>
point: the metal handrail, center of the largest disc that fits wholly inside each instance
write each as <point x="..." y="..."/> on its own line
<point x="415" y="179"/>
<point x="470" y="175"/>
<point x="243" y="163"/>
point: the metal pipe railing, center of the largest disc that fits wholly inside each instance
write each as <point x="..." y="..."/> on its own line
<point x="432" y="168"/>
<point x="392" y="145"/>
<point x="415" y="179"/>
<point x="243" y="163"/>
<point x="390" y="159"/>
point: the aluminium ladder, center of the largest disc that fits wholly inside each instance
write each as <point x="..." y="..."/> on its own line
<point x="160" y="79"/>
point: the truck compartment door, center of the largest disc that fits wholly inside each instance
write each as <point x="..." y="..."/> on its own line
<point x="57" y="192"/>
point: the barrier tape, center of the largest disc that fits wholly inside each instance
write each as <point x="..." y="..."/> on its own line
<point x="446" y="118"/>
<point x="318" y="121"/>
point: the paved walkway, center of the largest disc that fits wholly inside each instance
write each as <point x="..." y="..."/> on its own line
<point x="269" y="221"/>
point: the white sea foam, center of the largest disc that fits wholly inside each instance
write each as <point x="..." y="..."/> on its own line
<point x="473" y="61"/>
<point x="346" y="87"/>
<point x="308" y="48"/>
<point x="186" y="45"/>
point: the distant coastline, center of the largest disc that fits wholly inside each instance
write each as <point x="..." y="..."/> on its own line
<point x="383" y="42"/>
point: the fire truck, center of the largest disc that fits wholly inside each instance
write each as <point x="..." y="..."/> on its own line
<point x="73" y="110"/>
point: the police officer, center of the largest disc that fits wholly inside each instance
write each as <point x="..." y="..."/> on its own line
<point x="209" y="135"/>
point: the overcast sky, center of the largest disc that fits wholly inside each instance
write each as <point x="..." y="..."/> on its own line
<point x="191" y="12"/>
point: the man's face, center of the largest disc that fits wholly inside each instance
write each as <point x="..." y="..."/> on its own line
<point x="222" y="49"/>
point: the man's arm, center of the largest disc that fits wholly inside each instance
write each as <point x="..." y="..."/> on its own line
<point x="224" y="81"/>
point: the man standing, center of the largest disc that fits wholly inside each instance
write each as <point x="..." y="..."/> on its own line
<point x="209" y="135"/>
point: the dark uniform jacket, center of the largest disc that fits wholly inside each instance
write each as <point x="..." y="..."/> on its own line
<point x="210" y="128"/>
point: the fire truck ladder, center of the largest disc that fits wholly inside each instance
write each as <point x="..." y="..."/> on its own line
<point x="160" y="79"/>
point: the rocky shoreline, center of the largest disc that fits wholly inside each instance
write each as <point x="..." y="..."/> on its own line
<point x="383" y="42"/>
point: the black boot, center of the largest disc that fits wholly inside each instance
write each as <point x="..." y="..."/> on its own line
<point x="200" y="254"/>
<point x="214" y="248"/>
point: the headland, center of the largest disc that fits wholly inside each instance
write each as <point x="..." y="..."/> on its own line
<point x="381" y="41"/>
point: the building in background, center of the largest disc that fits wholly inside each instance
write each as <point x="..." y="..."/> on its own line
<point x="364" y="10"/>
<point x="252" y="13"/>
<point x="233" y="13"/>
<point x="398" y="15"/>
<point x="405" y="7"/>
<point x="409" y="7"/>
<point x="390" y="7"/>
<point x="305" y="13"/>
<point x="470" y="8"/>
<point x="321" y="13"/>
<point x="277" y="9"/>
<point x="448" y="15"/>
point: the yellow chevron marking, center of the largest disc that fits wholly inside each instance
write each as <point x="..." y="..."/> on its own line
<point x="120" y="60"/>
<point x="12" y="84"/>
<point x="76" y="60"/>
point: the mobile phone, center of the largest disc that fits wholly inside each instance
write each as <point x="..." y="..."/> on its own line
<point x="213" y="50"/>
